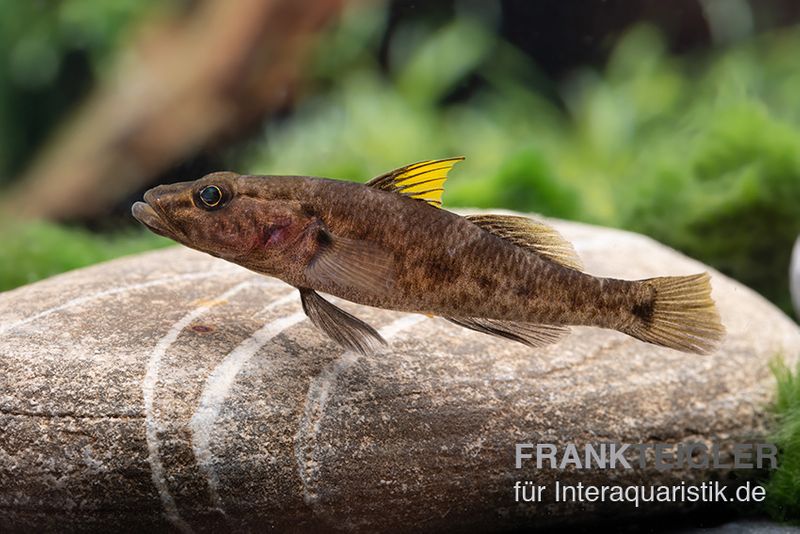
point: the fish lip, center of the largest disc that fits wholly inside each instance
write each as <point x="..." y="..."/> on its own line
<point x="148" y="216"/>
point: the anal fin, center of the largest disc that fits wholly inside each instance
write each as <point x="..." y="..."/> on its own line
<point x="533" y="335"/>
<point x="345" y="329"/>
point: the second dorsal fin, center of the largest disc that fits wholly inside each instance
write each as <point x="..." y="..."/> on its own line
<point x="423" y="180"/>
<point x="530" y="234"/>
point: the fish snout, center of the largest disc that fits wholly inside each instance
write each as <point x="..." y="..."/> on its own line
<point x="151" y="212"/>
<point x="145" y="214"/>
<point x="151" y="196"/>
<point x="155" y="196"/>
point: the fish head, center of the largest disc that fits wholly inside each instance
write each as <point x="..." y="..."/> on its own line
<point x="224" y="215"/>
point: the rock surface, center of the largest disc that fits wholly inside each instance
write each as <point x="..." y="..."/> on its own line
<point x="171" y="389"/>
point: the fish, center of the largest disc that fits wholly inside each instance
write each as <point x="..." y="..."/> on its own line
<point x="388" y="243"/>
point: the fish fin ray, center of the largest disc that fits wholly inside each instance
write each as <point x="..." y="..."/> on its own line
<point x="422" y="181"/>
<point x="351" y="263"/>
<point x="681" y="315"/>
<point x="531" y="334"/>
<point x="531" y="234"/>
<point x="348" y="331"/>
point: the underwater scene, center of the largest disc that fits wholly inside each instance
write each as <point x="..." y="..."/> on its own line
<point x="399" y="266"/>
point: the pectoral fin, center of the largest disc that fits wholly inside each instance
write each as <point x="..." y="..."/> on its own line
<point x="531" y="234"/>
<point x="348" y="331"/>
<point x="351" y="264"/>
<point x="533" y="335"/>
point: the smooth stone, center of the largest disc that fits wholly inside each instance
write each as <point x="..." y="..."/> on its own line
<point x="172" y="389"/>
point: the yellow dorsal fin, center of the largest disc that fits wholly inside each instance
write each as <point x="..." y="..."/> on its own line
<point x="422" y="181"/>
<point x="531" y="234"/>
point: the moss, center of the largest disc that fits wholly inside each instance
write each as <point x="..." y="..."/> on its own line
<point x="36" y="250"/>
<point x="783" y="487"/>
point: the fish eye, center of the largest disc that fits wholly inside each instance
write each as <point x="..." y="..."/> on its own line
<point x="210" y="196"/>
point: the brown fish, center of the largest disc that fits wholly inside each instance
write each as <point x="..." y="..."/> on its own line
<point x="388" y="244"/>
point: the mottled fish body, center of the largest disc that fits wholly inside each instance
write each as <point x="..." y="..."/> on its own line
<point x="388" y="244"/>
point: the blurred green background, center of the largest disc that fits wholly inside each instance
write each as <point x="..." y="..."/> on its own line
<point x="697" y="146"/>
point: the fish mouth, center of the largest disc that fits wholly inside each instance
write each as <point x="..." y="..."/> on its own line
<point x="148" y="216"/>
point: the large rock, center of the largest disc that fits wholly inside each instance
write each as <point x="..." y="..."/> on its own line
<point x="174" y="389"/>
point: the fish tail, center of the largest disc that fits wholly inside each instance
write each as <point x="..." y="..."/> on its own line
<point x="677" y="312"/>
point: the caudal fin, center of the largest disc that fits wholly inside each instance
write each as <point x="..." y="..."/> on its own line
<point x="680" y="316"/>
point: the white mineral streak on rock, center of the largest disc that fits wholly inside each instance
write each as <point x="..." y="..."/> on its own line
<point x="221" y="380"/>
<point x="305" y="441"/>
<point x="148" y="392"/>
<point x="105" y="293"/>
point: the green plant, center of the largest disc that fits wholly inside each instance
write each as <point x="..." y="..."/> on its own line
<point x="36" y="250"/>
<point x="783" y="487"/>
